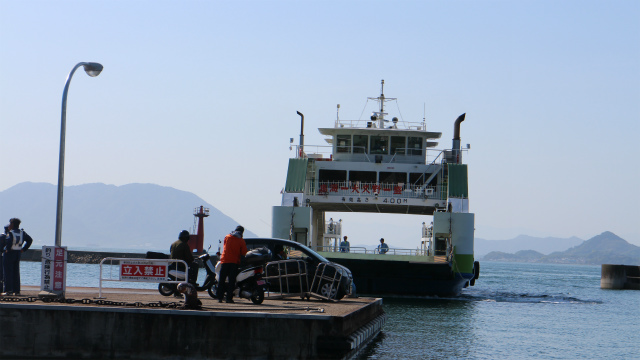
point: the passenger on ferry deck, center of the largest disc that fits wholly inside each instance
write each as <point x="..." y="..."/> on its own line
<point x="331" y="226"/>
<point x="382" y="248"/>
<point x="345" y="247"/>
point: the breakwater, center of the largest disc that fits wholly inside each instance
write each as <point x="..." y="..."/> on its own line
<point x="619" y="277"/>
<point x="83" y="257"/>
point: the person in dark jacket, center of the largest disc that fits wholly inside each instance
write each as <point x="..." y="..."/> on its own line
<point x="16" y="242"/>
<point x="3" y="237"/>
<point x="233" y="250"/>
<point x="180" y="250"/>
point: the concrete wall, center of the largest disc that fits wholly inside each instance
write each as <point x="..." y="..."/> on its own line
<point x="82" y="257"/>
<point x="618" y="277"/>
<point x="78" y="332"/>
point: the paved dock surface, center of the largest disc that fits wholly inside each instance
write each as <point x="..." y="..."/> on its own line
<point x="128" y="297"/>
<point x="126" y="323"/>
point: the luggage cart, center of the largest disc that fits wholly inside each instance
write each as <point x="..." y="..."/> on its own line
<point x="326" y="282"/>
<point x="290" y="277"/>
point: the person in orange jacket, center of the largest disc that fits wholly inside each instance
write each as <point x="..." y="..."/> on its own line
<point x="233" y="250"/>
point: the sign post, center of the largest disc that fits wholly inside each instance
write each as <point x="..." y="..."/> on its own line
<point x="54" y="269"/>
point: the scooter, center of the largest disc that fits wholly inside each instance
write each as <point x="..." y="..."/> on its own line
<point x="249" y="282"/>
<point x="168" y="289"/>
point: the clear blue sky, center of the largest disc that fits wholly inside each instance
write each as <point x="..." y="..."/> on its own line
<point x="202" y="96"/>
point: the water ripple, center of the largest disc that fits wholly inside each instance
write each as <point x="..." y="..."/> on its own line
<point x="514" y="297"/>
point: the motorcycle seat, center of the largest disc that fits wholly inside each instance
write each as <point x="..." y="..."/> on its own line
<point x="179" y="275"/>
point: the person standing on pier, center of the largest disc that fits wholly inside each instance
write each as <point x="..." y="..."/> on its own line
<point x="233" y="250"/>
<point x="16" y="242"/>
<point x="3" y="237"/>
<point x="180" y="250"/>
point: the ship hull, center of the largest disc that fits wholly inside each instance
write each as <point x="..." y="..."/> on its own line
<point x="402" y="277"/>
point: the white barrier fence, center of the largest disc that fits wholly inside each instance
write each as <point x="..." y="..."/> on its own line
<point x="142" y="270"/>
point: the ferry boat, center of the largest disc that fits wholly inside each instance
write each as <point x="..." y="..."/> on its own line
<point x="382" y="166"/>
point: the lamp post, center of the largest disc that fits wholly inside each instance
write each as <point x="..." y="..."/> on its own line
<point x="92" y="69"/>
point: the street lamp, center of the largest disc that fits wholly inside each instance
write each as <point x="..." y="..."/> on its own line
<point x="92" y="69"/>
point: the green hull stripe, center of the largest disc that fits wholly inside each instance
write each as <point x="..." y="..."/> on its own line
<point x="463" y="263"/>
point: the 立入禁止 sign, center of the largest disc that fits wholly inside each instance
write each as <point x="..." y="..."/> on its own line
<point x="143" y="270"/>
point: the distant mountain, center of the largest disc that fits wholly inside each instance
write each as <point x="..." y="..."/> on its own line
<point x="606" y="248"/>
<point x="138" y="217"/>
<point x="520" y="256"/>
<point x="546" y="245"/>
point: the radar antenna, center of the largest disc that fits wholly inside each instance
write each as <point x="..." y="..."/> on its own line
<point x="379" y="115"/>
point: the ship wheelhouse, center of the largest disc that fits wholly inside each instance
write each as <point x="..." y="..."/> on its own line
<point x="374" y="169"/>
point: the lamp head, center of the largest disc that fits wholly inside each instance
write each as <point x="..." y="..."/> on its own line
<point x="93" y="69"/>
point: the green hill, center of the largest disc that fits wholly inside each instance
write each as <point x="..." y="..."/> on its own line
<point x="606" y="248"/>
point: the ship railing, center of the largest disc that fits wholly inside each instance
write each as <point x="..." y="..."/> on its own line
<point x="364" y="250"/>
<point x="314" y="151"/>
<point x="360" y="153"/>
<point x="408" y="125"/>
<point x="357" y="188"/>
<point x="435" y="159"/>
<point x="445" y="156"/>
<point x="401" y="155"/>
<point x="333" y="228"/>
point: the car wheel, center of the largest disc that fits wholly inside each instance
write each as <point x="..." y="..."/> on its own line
<point x="328" y="291"/>
<point x="165" y="289"/>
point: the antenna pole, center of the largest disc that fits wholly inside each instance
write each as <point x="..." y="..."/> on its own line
<point x="382" y="97"/>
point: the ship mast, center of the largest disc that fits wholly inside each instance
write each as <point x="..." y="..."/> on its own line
<point x="378" y="116"/>
<point x="382" y="100"/>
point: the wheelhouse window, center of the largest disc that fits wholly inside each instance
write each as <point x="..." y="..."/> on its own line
<point x="380" y="145"/>
<point x="363" y="176"/>
<point x="398" y="145"/>
<point x="392" y="178"/>
<point x="344" y="143"/>
<point x="415" y="145"/>
<point x="332" y="176"/>
<point x="417" y="179"/>
<point x="360" y="144"/>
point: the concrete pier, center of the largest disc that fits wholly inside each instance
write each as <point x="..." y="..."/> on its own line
<point x="142" y="324"/>
<point x="618" y="277"/>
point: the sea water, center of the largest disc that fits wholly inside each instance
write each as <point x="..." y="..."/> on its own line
<point x="515" y="311"/>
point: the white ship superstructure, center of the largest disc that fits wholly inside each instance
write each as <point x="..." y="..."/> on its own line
<point x="380" y="165"/>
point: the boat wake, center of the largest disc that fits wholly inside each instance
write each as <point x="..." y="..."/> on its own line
<point x="514" y="297"/>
